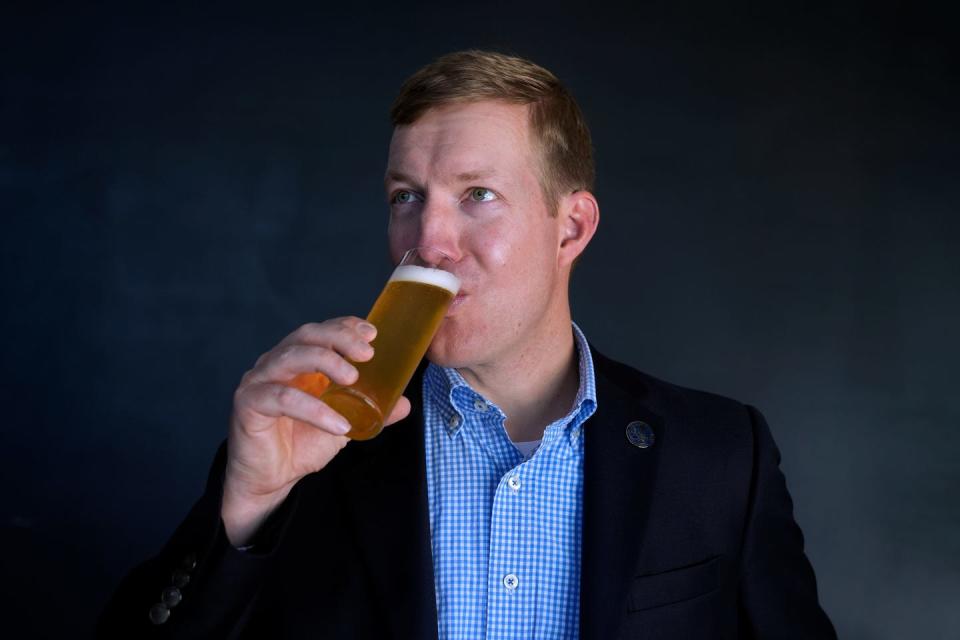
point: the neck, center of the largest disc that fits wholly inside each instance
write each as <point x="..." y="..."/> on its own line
<point x="533" y="385"/>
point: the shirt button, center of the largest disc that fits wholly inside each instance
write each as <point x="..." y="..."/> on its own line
<point x="511" y="582"/>
<point x="454" y="421"/>
<point x="514" y="482"/>
<point x="479" y="405"/>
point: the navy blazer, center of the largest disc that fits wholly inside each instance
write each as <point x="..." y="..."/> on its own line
<point x="690" y="537"/>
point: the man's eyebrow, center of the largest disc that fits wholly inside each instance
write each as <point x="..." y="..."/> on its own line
<point x="396" y="176"/>
<point x="467" y="176"/>
<point x="472" y="176"/>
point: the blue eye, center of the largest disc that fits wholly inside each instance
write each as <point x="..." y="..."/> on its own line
<point x="403" y="197"/>
<point x="481" y="194"/>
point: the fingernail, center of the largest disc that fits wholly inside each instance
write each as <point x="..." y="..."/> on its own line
<point x="341" y="426"/>
<point x="367" y="329"/>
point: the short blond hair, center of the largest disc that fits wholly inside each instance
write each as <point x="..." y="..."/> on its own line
<point x="559" y="130"/>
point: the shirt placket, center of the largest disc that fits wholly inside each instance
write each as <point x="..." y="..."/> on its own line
<point x="503" y="581"/>
<point x="510" y="579"/>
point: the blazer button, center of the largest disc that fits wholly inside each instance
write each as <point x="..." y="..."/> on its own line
<point x="159" y="613"/>
<point x="171" y="597"/>
<point x="180" y="579"/>
<point x="640" y="434"/>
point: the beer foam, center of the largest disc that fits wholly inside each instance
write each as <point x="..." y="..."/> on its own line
<point x="435" y="277"/>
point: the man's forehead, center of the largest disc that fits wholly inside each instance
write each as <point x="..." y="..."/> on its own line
<point x="471" y="110"/>
<point x="463" y="142"/>
<point x="450" y="123"/>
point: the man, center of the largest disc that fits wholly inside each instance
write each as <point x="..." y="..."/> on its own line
<point x="531" y="488"/>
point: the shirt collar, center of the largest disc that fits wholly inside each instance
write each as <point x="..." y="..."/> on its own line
<point x="454" y="397"/>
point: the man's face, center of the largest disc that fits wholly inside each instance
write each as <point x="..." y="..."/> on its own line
<point x="464" y="179"/>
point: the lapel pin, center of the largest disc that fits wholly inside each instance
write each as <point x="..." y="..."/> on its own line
<point x="640" y="434"/>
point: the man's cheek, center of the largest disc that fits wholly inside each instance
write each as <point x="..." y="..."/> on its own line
<point x="400" y="239"/>
<point x="499" y="251"/>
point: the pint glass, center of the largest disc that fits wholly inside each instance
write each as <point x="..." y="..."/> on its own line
<point x="407" y="315"/>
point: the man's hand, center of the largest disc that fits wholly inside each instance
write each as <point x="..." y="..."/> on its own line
<point x="278" y="434"/>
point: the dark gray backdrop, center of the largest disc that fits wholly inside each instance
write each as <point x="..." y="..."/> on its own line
<point x="778" y="194"/>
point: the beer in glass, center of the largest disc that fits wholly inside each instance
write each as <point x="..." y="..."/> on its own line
<point x="407" y="315"/>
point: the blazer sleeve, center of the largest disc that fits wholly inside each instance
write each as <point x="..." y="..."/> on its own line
<point x="199" y="585"/>
<point x="778" y="589"/>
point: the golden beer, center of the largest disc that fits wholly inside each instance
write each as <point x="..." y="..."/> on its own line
<point x="407" y="315"/>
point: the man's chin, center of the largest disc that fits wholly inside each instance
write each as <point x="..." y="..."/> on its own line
<point x="442" y="359"/>
<point x="459" y="345"/>
<point x="445" y="356"/>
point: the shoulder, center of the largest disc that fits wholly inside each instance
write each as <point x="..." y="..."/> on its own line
<point x="703" y="438"/>
<point x="708" y="428"/>
<point x="661" y="395"/>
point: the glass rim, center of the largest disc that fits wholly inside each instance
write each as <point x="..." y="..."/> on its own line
<point x="434" y="264"/>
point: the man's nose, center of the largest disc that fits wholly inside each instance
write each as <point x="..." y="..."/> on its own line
<point x="439" y="228"/>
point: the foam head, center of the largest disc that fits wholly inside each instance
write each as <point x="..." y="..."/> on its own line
<point x="426" y="275"/>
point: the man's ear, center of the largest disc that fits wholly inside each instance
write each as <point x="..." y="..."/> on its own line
<point x="579" y="216"/>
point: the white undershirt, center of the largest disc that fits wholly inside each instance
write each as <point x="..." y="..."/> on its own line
<point x="527" y="448"/>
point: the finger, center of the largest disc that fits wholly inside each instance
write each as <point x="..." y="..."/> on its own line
<point x="327" y="333"/>
<point x="285" y="363"/>
<point x="400" y="411"/>
<point x="276" y="400"/>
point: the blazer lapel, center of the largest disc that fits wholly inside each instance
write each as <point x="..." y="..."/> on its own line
<point x="388" y="501"/>
<point x="617" y="490"/>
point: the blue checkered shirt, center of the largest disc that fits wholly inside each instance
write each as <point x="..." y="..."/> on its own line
<point x="505" y="529"/>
